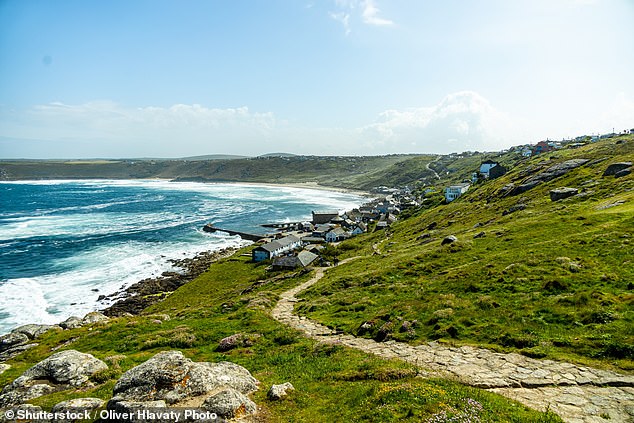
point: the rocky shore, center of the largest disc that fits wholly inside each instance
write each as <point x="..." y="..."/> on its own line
<point x="135" y="298"/>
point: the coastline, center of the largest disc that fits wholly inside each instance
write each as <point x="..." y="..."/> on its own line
<point x="142" y="294"/>
<point x="304" y="185"/>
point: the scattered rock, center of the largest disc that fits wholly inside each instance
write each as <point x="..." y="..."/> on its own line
<point x="61" y="370"/>
<point x="513" y="209"/>
<point x="229" y="404"/>
<point x="11" y="340"/>
<point x="4" y="367"/>
<point x="73" y="322"/>
<point x="237" y="340"/>
<point x="171" y="377"/>
<point x="561" y="193"/>
<point x="13" y="351"/>
<point x="549" y="174"/>
<point x="623" y="172"/>
<point x="405" y="326"/>
<point x="449" y="240"/>
<point x="33" y="331"/>
<point x="77" y="406"/>
<point x="385" y="332"/>
<point x="365" y="328"/>
<point x="94" y="317"/>
<point x="432" y="225"/>
<point x="277" y="392"/>
<point x="610" y="205"/>
<point x="480" y="235"/>
<point x="614" y="168"/>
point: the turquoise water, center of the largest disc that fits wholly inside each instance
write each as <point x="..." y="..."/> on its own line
<point x="64" y="243"/>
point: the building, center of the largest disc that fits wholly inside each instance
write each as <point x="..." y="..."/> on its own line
<point x="491" y="170"/>
<point x="303" y="259"/>
<point x="275" y="248"/>
<point x="337" y="234"/>
<point x="324" y="216"/>
<point x="542" y="147"/>
<point x="454" y="191"/>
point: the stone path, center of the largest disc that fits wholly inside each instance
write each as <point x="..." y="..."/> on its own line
<point x="578" y="394"/>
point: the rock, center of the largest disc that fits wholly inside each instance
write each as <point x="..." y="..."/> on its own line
<point x="33" y="331"/>
<point x="480" y="235"/>
<point x="449" y="240"/>
<point x="277" y="392"/>
<point x="61" y="370"/>
<point x="549" y="174"/>
<point x="13" y="351"/>
<point x="431" y="226"/>
<point x="171" y="377"/>
<point x="94" y="317"/>
<point x="4" y="367"/>
<point x="385" y="332"/>
<point x="229" y="404"/>
<point x="73" y="322"/>
<point x="561" y="193"/>
<point x="230" y="342"/>
<point x="77" y="406"/>
<point x="513" y="209"/>
<point x="614" y="168"/>
<point x="623" y="172"/>
<point x="11" y="340"/>
<point x="405" y="326"/>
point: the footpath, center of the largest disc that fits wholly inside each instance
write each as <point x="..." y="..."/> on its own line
<point x="578" y="394"/>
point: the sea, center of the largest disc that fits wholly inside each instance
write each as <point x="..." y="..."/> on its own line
<point x="64" y="243"/>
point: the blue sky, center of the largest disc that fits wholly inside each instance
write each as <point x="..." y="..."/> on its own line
<point x="178" y="78"/>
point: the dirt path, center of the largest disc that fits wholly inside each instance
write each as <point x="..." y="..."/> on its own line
<point x="578" y="394"/>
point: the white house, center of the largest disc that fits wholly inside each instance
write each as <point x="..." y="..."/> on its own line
<point x="337" y="234"/>
<point x="454" y="191"/>
<point x="275" y="248"/>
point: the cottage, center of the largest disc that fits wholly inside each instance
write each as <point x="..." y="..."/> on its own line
<point x="454" y="191"/>
<point x="303" y="259"/>
<point x="358" y="229"/>
<point x="491" y="170"/>
<point x="337" y="234"/>
<point x="542" y="147"/>
<point x="324" y="216"/>
<point x="275" y="248"/>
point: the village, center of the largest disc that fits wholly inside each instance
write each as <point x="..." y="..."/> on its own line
<point x="299" y="245"/>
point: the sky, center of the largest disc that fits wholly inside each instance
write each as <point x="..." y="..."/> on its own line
<point x="159" y="78"/>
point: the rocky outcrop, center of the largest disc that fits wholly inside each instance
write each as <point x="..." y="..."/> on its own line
<point x="77" y="407"/>
<point x="552" y="172"/>
<point x="33" y="331"/>
<point x="278" y="392"/>
<point x="237" y="340"/>
<point x="449" y="240"/>
<point x="91" y="318"/>
<point x="622" y="173"/>
<point x="62" y="370"/>
<point x="229" y="403"/>
<point x="615" y="168"/>
<point x="561" y="193"/>
<point x="174" y="380"/>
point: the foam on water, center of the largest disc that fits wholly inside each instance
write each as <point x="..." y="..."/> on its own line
<point x="64" y="243"/>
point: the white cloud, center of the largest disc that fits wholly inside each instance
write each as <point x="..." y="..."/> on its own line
<point x="107" y="129"/>
<point x="370" y="14"/>
<point x="366" y="9"/>
<point x="461" y="121"/>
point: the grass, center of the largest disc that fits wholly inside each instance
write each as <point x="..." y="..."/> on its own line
<point x="332" y="382"/>
<point x="552" y="280"/>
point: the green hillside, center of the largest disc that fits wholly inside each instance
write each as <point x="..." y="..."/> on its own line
<point x="547" y="279"/>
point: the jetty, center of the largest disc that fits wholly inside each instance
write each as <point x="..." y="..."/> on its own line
<point x="250" y="237"/>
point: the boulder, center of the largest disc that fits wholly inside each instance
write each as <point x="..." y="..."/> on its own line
<point x="11" y="340"/>
<point x="229" y="403"/>
<point x="62" y="370"/>
<point x="449" y="240"/>
<point x="561" y="193"/>
<point x="171" y="377"/>
<point x="94" y="317"/>
<point x="623" y="172"/>
<point x="614" y="168"/>
<point x="479" y="235"/>
<point x="277" y="392"/>
<point x="4" y="368"/>
<point x="77" y="407"/>
<point x="231" y="342"/>
<point x="72" y="322"/>
<point x="13" y="351"/>
<point x="33" y="331"/>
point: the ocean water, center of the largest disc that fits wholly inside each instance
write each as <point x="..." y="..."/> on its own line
<point x="64" y="243"/>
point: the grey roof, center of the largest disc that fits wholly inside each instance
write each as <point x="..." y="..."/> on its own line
<point x="306" y="257"/>
<point x="287" y="240"/>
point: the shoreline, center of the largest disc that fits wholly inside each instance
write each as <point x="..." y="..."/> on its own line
<point x="134" y="299"/>
<point x="302" y="185"/>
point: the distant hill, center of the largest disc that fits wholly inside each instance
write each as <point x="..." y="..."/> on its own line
<point x="278" y="155"/>
<point x="214" y="157"/>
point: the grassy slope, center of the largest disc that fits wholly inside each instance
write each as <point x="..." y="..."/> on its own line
<point x="552" y="280"/>
<point x="333" y="383"/>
